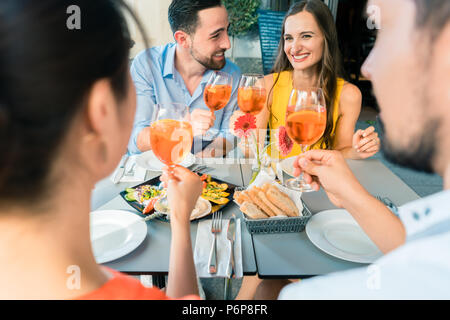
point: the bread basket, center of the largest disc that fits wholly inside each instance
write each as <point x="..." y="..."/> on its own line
<point x="277" y="224"/>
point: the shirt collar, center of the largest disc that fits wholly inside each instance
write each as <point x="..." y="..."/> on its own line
<point x="169" y="61"/>
<point x="422" y="214"/>
<point x="206" y="76"/>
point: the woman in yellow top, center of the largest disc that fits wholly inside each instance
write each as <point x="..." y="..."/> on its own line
<point x="308" y="56"/>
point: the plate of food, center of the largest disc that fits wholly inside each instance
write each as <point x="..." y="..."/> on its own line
<point x="202" y="208"/>
<point x="149" y="161"/>
<point x="148" y="198"/>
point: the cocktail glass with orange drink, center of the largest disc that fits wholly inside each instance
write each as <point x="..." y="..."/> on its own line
<point x="217" y="93"/>
<point x="251" y="100"/>
<point x="171" y="133"/>
<point x="306" y="119"/>
<point x="251" y="93"/>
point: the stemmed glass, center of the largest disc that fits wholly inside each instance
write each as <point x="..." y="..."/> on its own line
<point x="251" y="93"/>
<point x="171" y="133"/>
<point x="251" y="100"/>
<point x="217" y="93"/>
<point x="306" y="119"/>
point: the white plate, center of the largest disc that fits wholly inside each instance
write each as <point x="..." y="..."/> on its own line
<point x="337" y="233"/>
<point x="287" y="165"/>
<point x="194" y="215"/>
<point x="149" y="161"/>
<point x="115" y="233"/>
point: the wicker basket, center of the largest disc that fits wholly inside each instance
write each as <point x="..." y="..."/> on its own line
<point x="278" y="225"/>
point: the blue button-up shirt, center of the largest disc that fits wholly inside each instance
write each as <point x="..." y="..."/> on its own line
<point x="157" y="81"/>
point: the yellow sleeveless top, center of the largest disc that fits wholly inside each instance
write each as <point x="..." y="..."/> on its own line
<point x="281" y="92"/>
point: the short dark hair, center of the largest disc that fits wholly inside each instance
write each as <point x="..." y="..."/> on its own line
<point x="183" y="14"/>
<point x="432" y="15"/>
<point x="46" y="73"/>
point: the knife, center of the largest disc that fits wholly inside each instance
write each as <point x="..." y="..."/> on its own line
<point x="231" y="234"/>
<point x="121" y="170"/>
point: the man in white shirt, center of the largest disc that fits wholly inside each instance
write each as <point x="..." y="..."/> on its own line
<point x="410" y="71"/>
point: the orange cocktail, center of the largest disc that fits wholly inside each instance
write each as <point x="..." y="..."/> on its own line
<point x="306" y="127"/>
<point x="251" y="99"/>
<point x="306" y="121"/>
<point x="171" y="140"/>
<point x="217" y="96"/>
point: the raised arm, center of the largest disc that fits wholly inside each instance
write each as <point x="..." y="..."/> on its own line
<point x="184" y="188"/>
<point x="145" y="101"/>
<point x="328" y="169"/>
<point x="353" y="145"/>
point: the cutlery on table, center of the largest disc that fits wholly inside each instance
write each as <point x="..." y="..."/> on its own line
<point x="121" y="170"/>
<point x="231" y="235"/>
<point x="216" y="227"/>
<point x="130" y="171"/>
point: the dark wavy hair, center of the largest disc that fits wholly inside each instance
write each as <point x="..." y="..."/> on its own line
<point x="330" y="67"/>
<point x="46" y="72"/>
<point x="183" y="14"/>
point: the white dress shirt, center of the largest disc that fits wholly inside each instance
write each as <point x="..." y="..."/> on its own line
<point x="419" y="269"/>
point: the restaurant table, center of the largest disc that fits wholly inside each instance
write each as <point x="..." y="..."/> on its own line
<point x="152" y="256"/>
<point x="293" y="255"/>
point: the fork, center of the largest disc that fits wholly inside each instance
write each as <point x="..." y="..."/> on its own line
<point x="216" y="227"/>
<point x="130" y="171"/>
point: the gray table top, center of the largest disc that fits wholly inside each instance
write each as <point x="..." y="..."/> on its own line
<point x="293" y="255"/>
<point x="152" y="256"/>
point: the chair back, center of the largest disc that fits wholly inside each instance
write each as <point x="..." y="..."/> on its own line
<point x="269" y="25"/>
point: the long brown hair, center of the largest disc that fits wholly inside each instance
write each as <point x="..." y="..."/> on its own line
<point x="330" y="67"/>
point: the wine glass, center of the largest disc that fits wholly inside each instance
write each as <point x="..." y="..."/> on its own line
<point x="171" y="133"/>
<point x="251" y="100"/>
<point x="217" y="94"/>
<point x="251" y="93"/>
<point x="306" y="119"/>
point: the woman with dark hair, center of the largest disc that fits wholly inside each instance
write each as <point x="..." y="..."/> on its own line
<point x="67" y="105"/>
<point x="309" y="56"/>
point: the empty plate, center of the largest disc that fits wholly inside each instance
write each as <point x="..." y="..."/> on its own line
<point x="149" y="161"/>
<point x="115" y="233"/>
<point x="337" y="233"/>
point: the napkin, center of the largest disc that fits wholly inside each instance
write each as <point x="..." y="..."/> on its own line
<point x="263" y="177"/>
<point x="203" y="245"/>
<point x="138" y="174"/>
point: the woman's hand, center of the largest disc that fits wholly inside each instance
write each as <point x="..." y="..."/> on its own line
<point x="366" y="142"/>
<point x="328" y="169"/>
<point x="183" y="190"/>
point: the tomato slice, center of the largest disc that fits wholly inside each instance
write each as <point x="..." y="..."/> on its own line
<point x="150" y="206"/>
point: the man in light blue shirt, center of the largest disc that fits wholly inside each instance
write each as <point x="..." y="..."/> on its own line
<point x="178" y="72"/>
<point x="409" y="68"/>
